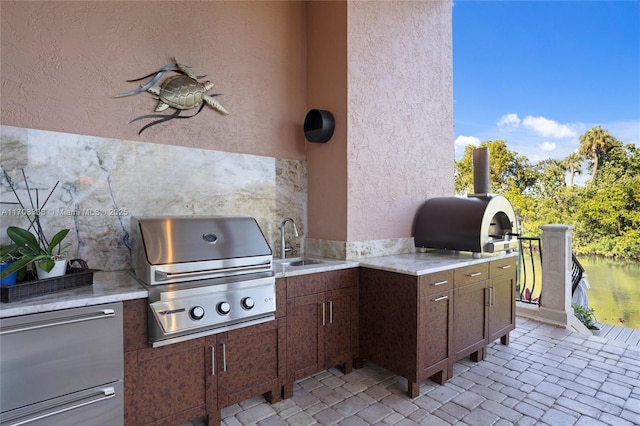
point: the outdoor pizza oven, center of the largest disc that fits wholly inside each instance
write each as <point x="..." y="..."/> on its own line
<point x="475" y="224"/>
<point x="478" y="223"/>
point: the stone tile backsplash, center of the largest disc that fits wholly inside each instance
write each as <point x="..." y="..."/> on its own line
<point x="103" y="182"/>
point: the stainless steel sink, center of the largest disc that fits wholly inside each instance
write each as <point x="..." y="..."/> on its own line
<point x="299" y="262"/>
<point x="304" y="262"/>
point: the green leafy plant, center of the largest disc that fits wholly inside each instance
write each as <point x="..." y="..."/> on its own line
<point x="27" y="248"/>
<point x="586" y="315"/>
<point x="32" y="250"/>
<point x="9" y="253"/>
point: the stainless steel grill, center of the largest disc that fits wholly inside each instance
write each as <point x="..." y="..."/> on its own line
<point x="204" y="274"/>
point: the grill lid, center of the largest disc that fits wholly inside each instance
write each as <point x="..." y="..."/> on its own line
<point x="175" y="249"/>
<point x="170" y="240"/>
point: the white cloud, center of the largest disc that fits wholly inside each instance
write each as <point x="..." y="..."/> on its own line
<point x="462" y="141"/>
<point x="509" y="120"/>
<point x="548" y="128"/>
<point x="548" y="146"/>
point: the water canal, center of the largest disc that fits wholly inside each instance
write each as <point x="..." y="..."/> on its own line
<point x="615" y="290"/>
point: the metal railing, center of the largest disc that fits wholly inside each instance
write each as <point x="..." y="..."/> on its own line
<point x="576" y="273"/>
<point x="529" y="285"/>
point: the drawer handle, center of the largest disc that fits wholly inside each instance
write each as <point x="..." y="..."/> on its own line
<point x="438" y="299"/>
<point x="505" y="267"/>
<point x="474" y="274"/>
<point x="104" y="313"/>
<point x="102" y="395"/>
<point x="440" y="283"/>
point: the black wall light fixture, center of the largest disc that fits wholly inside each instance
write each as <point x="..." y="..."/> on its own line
<point x="319" y="126"/>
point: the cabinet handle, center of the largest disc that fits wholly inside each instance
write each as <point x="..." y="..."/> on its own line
<point x="505" y="267"/>
<point x="440" y="283"/>
<point x="330" y="312"/>
<point x="213" y="360"/>
<point x="474" y="274"/>
<point x="493" y="295"/>
<point x="323" y="315"/>
<point x="437" y="299"/>
<point x="224" y="357"/>
<point x="487" y="296"/>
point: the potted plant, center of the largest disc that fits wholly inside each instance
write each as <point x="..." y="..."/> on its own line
<point x="8" y="255"/>
<point x="46" y="256"/>
<point x="587" y="316"/>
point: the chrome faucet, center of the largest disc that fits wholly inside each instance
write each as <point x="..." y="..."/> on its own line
<point x="284" y="249"/>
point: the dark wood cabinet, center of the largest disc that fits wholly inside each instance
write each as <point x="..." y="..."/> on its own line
<point x="162" y="386"/>
<point x="406" y="324"/>
<point x="180" y="382"/>
<point x="419" y="326"/>
<point x="339" y="318"/>
<point x="241" y="364"/>
<point x="484" y="306"/>
<point x="414" y="326"/>
<point x="502" y="296"/>
<point x="435" y="325"/>
<point x="305" y="336"/>
<point x="321" y="323"/>
<point x="470" y="312"/>
<point x="470" y="320"/>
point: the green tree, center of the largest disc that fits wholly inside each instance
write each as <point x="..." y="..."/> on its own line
<point x="593" y="143"/>
<point x="551" y="177"/>
<point x="573" y="165"/>
<point x="605" y="212"/>
<point x="506" y="169"/>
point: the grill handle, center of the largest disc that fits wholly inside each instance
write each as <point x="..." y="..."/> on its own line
<point x="165" y="276"/>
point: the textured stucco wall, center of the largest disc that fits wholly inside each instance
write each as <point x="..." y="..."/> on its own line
<point x="400" y="114"/>
<point x="327" y="90"/>
<point x="383" y="68"/>
<point x="63" y="61"/>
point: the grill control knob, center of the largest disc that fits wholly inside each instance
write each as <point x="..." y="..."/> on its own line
<point x="224" y="308"/>
<point x="248" y="303"/>
<point x="196" y="313"/>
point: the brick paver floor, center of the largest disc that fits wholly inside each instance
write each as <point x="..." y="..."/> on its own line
<point x="547" y="375"/>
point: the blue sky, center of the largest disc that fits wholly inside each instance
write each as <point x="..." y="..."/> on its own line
<point x="538" y="74"/>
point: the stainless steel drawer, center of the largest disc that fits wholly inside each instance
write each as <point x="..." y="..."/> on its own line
<point x="101" y="406"/>
<point x="43" y="356"/>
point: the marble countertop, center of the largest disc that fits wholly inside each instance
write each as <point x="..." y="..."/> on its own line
<point x="283" y="270"/>
<point x="428" y="262"/>
<point x="118" y="286"/>
<point x="107" y="287"/>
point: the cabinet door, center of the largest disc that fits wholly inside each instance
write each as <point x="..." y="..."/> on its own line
<point x="502" y="307"/>
<point x="246" y="363"/>
<point x="338" y="327"/>
<point x="169" y="383"/>
<point x="436" y="322"/>
<point x="470" y="319"/>
<point x="305" y="335"/>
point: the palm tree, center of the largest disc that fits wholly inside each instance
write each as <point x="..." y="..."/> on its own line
<point x="593" y="143"/>
<point x="573" y="164"/>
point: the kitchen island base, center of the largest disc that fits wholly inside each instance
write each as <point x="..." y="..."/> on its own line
<point x="418" y="326"/>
